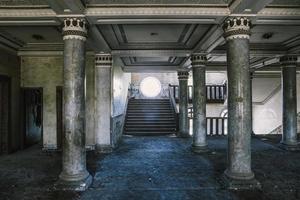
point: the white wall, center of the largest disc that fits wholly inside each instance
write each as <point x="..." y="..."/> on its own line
<point x="267" y="115"/>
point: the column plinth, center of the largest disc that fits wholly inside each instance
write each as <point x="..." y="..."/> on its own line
<point x="199" y="144"/>
<point x="238" y="174"/>
<point x="103" y="65"/>
<point x="289" y="104"/>
<point x="74" y="175"/>
<point x="183" y="104"/>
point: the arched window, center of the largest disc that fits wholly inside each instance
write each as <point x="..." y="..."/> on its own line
<point x="150" y="87"/>
<point x="224" y="113"/>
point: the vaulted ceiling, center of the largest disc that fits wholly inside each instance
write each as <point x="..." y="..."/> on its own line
<point x="156" y="34"/>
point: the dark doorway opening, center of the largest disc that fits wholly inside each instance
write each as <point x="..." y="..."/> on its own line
<point x="59" y="116"/>
<point x="33" y="115"/>
<point x="4" y="114"/>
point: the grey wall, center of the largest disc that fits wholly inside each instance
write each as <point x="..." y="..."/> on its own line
<point x="47" y="72"/>
<point x="10" y="66"/>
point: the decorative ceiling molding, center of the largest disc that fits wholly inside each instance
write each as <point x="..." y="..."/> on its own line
<point x="156" y="2"/>
<point x="211" y="20"/>
<point x="136" y="12"/>
<point x="279" y="12"/>
<point x="151" y="53"/>
<point x="32" y="13"/>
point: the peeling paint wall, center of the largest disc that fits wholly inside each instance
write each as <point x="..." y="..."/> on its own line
<point x="120" y="84"/>
<point x="47" y="72"/>
<point x="10" y="66"/>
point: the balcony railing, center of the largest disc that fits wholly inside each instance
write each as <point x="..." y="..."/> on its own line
<point x="214" y="93"/>
<point x="215" y="126"/>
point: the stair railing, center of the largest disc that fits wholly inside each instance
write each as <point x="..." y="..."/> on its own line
<point x="214" y="93"/>
<point x="172" y="95"/>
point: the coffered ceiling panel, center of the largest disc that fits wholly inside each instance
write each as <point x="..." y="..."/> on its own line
<point x="152" y="36"/>
<point x="152" y="61"/>
<point x="33" y="34"/>
<point x="273" y="34"/>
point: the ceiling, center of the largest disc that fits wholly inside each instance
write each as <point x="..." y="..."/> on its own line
<point x="153" y="35"/>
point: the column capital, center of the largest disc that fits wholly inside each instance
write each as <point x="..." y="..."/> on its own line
<point x="103" y="60"/>
<point x="183" y="75"/>
<point x="288" y="59"/>
<point x="198" y="60"/>
<point x="237" y="27"/>
<point x="75" y="28"/>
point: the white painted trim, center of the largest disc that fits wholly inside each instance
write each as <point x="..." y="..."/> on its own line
<point x="76" y="37"/>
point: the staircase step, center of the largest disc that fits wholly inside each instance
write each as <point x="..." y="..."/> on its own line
<point x="149" y="122"/>
<point x="141" y="133"/>
<point x="151" y="125"/>
<point x="150" y="117"/>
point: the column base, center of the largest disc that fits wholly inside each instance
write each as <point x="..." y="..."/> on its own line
<point x="289" y="147"/>
<point x="103" y="149"/>
<point x="247" y="182"/>
<point x="79" y="185"/>
<point x="199" y="149"/>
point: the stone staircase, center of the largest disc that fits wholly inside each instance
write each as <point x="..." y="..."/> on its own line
<point x="149" y="117"/>
<point x="278" y="130"/>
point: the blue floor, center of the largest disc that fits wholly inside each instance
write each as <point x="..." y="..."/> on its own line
<point x="153" y="168"/>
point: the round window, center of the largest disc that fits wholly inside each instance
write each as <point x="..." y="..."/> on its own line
<point x="150" y="87"/>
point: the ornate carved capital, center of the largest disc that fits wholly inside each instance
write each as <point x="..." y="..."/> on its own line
<point x="287" y="60"/>
<point x="103" y="60"/>
<point x="74" y="28"/>
<point x="237" y="27"/>
<point x="183" y="75"/>
<point x="198" y="60"/>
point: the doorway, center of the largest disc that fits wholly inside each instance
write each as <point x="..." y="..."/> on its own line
<point x="59" y="116"/>
<point x="4" y="114"/>
<point x="33" y="112"/>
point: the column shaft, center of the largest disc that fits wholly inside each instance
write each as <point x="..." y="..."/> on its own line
<point x="238" y="173"/>
<point x="199" y="104"/>
<point x="239" y="109"/>
<point x="183" y="105"/>
<point x="289" y="106"/>
<point x="74" y="175"/>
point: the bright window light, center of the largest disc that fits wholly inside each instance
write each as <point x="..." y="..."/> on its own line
<point x="150" y="87"/>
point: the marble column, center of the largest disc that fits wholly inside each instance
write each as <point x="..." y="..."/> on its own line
<point x="103" y="64"/>
<point x="289" y="103"/>
<point x="74" y="175"/>
<point x="199" y="144"/>
<point x="238" y="174"/>
<point x="183" y="104"/>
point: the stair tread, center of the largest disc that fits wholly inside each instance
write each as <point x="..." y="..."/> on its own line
<point x="149" y="117"/>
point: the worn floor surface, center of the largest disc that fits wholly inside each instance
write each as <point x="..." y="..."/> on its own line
<point x="152" y="168"/>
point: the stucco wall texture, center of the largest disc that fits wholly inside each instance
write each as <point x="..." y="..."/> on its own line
<point x="47" y="73"/>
